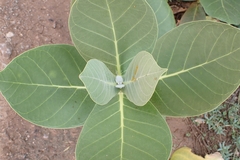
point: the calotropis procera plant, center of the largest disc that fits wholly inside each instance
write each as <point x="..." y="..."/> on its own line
<point x="128" y="68"/>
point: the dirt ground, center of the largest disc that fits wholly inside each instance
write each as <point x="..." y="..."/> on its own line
<point x="25" y="24"/>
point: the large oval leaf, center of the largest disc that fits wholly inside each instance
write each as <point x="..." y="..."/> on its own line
<point x="141" y="78"/>
<point x="164" y="15"/>
<point x="43" y="87"/>
<point x="120" y="130"/>
<point x="224" y="10"/>
<point x="112" y="31"/>
<point x="99" y="81"/>
<point x="203" y="62"/>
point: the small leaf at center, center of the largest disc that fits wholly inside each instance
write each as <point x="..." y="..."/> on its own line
<point x="141" y="78"/>
<point x="99" y="81"/>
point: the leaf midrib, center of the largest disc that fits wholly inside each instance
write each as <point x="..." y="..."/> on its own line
<point x="44" y="85"/>
<point x="115" y="41"/>
<point x="121" y="104"/>
<point x="200" y="65"/>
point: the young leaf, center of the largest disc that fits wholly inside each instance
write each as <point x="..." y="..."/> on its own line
<point x="112" y="31"/>
<point x="141" y="78"/>
<point x="224" y="10"/>
<point x="121" y="130"/>
<point x="43" y="87"/>
<point x="194" y="12"/>
<point x="203" y="61"/>
<point x="99" y="81"/>
<point x="164" y="16"/>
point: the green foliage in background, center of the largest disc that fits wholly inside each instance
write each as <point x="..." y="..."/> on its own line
<point x="226" y="117"/>
<point x="225" y="10"/>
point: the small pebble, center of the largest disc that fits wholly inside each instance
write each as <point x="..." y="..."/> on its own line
<point x="3" y="115"/>
<point x="199" y="121"/>
<point x="45" y="136"/>
<point x="9" y="34"/>
<point x="5" y="49"/>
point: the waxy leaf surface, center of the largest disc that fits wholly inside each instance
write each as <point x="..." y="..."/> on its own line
<point x="203" y="62"/>
<point x="164" y="16"/>
<point x="112" y="31"/>
<point x="43" y="87"/>
<point x="224" y="10"/>
<point x="141" y="78"/>
<point x="120" y="130"/>
<point x="99" y="81"/>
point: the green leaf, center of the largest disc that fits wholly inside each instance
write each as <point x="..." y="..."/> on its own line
<point x="112" y="31"/>
<point x="164" y="15"/>
<point x="99" y="81"/>
<point x="141" y="78"/>
<point x="43" y="87"/>
<point x="120" y="130"/>
<point x="224" y="10"/>
<point x="203" y="62"/>
<point x="194" y="12"/>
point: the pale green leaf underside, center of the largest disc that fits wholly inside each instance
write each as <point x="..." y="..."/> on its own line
<point x="112" y="31"/>
<point x="141" y="78"/>
<point x="224" y="10"/>
<point x="43" y="87"/>
<point x="120" y="130"/>
<point x="203" y="61"/>
<point x="164" y="16"/>
<point x="194" y="12"/>
<point x="99" y="81"/>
